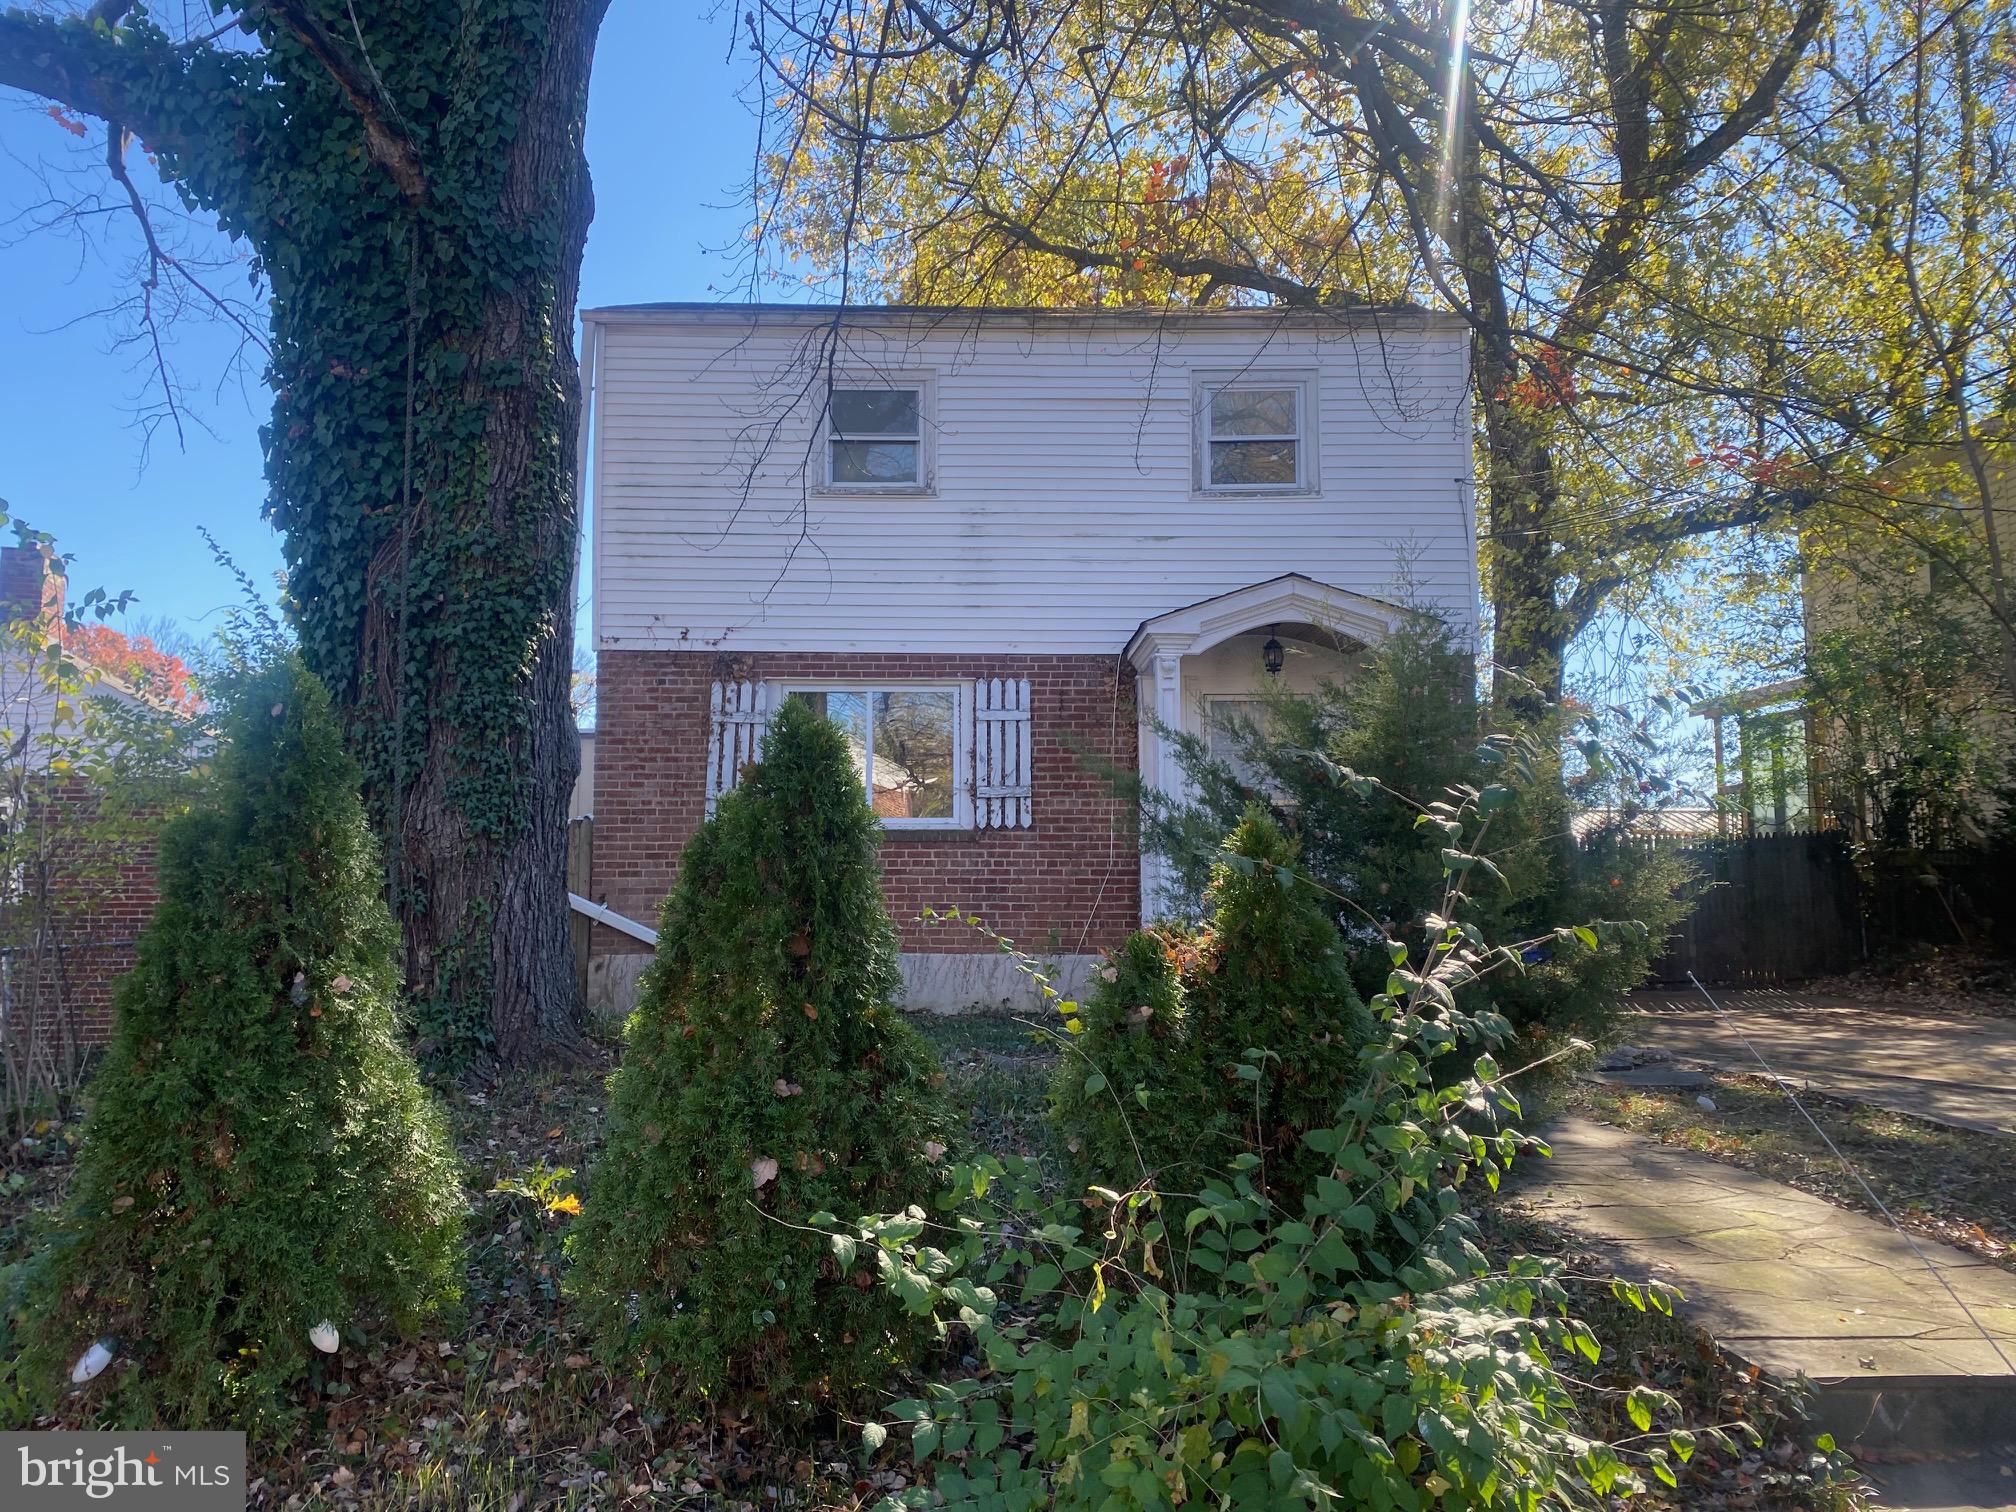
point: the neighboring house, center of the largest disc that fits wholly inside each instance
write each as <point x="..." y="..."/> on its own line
<point x="991" y="544"/>
<point x="1693" y="823"/>
<point x="1904" y="685"/>
<point x="1763" y="764"/>
<point x="102" y="900"/>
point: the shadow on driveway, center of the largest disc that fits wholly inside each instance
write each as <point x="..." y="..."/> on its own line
<point x="1950" y="1069"/>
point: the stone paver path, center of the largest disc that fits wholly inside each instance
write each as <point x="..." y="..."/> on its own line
<point x="1786" y="1281"/>
<point x="1956" y="1070"/>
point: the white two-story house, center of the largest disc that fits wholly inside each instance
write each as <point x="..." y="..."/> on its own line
<point x="991" y="544"/>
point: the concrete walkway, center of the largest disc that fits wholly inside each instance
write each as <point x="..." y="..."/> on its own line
<point x="1954" y="1070"/>
<point x="1981" y="1479"/>
<point x="1788" y="1282"/>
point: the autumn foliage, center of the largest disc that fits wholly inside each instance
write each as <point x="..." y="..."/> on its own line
<point x="135" y="661"/>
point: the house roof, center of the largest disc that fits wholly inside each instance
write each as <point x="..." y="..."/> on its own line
<point x="1692" y="821"/>
<point x="814" y="314"/>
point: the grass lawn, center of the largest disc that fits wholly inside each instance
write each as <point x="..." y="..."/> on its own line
<point x="998" y="1067"/>
<point x="1954" y="1185"/>
<point x="505" y="1411"/>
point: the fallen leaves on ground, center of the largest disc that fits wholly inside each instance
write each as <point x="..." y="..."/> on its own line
<point x="512" y="1411"/>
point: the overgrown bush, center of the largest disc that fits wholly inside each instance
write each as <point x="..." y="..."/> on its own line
<point x="1131" y="1057"/>
<point x="259" y="1156"/>
<point x="1406" y="724"/>
<point x="766" y="1078"/>
<point x="1197" y="1048"/>
<point x="1352" y="1348"/>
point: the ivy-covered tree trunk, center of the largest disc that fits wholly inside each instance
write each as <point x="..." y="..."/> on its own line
<point x="410" y="179"/>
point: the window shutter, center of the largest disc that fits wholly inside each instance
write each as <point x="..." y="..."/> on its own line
<point x="739" y="714"/>
<point x="1001" y="791"/>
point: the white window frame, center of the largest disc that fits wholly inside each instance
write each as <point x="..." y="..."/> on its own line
<point x="962" y="740"/>
<point x="1302" y="383"/>
<point x="925" y="387"/>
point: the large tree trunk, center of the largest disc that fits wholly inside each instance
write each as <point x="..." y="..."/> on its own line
<point x="412" y="180"/>
<point x="479" y="581"/>
<point x="1530" y="630"/>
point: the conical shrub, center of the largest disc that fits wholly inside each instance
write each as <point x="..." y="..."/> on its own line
<point x="1160" y="1080"/>
<point x="766" y="1078"/>
<point x="259" y="1155"/>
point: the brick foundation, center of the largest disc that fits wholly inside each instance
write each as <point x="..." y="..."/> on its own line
<point x="1069" y="884"/>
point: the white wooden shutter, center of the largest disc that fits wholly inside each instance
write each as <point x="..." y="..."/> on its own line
<point x="739" y="713"/>
<point x="1002" y="797"/>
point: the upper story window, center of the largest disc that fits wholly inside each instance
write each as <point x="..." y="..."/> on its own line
<point x="875" y="438"/>
<point x="1254" y="435"/>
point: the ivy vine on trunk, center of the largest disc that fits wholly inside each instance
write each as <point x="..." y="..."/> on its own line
<point x="411" y="183"/>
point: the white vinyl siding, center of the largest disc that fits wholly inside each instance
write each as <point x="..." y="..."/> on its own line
<point x="1063" y="507"/>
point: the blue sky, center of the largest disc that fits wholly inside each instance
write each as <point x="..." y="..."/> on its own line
<point x="669" y="144"/>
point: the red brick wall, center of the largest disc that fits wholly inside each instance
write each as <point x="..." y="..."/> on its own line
<point x="101" y="904"/>
<point x="29" y="588"/>
<point x="1069" y="882"/>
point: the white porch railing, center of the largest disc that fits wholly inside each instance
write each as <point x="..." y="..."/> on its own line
<point x="613" y="919"/>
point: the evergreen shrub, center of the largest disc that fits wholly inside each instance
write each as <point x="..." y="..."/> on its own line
<point x="1234" y="1345"/>
<point x="1354" y="769"/>
<point x="259" y="1155"/>
<point x="767" y="1079"/>
<point x="1196" y="1049"/>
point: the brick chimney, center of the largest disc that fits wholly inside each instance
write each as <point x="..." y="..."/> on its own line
<point x="30" y="586"/>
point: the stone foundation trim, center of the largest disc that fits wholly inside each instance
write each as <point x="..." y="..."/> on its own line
<point x="933" y="982"/>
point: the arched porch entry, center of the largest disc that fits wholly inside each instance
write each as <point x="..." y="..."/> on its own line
<point x="1194" y="664"/>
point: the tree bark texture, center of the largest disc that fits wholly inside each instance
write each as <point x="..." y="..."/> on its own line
<point x="411" y="182"/>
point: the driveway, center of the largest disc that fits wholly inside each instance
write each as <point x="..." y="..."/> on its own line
<point x="1958" y="1070"/>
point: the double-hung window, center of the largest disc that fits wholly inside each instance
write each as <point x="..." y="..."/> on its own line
<point x="1254" y="435"/>
<point x="908" y="746"/>
<point x="875" y="438"/>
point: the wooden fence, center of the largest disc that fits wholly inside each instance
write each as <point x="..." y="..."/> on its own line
<point x="1771" y="908"/>
<point x="580" y="864"/>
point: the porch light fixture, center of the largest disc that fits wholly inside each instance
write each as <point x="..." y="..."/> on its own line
<point x="1272" y="655"/>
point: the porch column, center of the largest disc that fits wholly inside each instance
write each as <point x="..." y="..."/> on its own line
<point x="1159" y="768"/>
